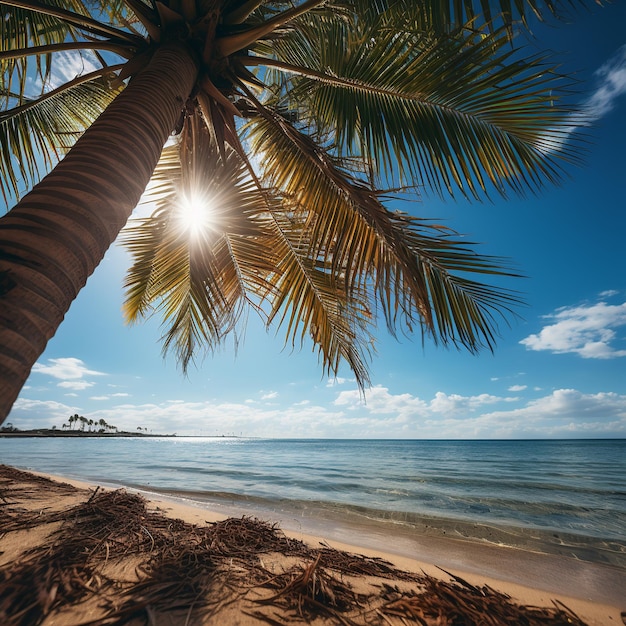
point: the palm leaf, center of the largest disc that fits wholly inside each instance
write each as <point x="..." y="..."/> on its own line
<point x="201" y="284"/>
<point x="45" y="127"/>
<point x="312" y="301"/>
<point x="456" y="112"/>
<point x="22" y="29"/>
<point x="256" y="258"/>
<point x="446" y="15"/>
<point x="417" y="269"/>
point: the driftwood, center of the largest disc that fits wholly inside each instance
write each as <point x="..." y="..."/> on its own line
<point x="192" y="572"/>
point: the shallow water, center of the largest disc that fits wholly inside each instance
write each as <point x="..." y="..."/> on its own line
<point x="561" y="497"/>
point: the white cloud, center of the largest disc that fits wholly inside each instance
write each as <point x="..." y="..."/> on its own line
<point x="69" y="65"/>
<point x="562" y="413"/>
<point x="76" y="385"/>
<point x="37" y="413"/>
<point x="270" y="395"/>
<point x="518" y="387"/>
<point x="68" y="368"/>
<point x="379" y="400"/>
<point x="584" y="330"/>
<point x="612" y="85"/>
<point x="338" y="380"/>
<point x="455" y="404"/>
<point x="573" y="404"/>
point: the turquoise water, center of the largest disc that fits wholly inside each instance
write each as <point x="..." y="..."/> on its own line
<point x="552" y="496"/>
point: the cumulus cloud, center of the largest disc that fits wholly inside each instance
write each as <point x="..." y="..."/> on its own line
<point x="518" y="387"/>
<point x="586" y="330"/>
<point x="455" y="404"/>
<point x="379" y="400"/>
<point x="28" y="413"/>
<point x="68" y="368"/>
<point x="561" y="413"/>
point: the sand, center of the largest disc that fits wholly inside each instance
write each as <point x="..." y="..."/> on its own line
<point x="73" y="553"/>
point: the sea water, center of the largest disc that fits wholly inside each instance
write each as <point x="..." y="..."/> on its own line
<point x="562" y="497"/>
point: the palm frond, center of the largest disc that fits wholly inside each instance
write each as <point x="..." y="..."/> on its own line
<point x="427" y="279"/>
<point x="22" y="29"/>
<point x="447" y="15"/>
<point x="311" y="301"/>
<point x="45" y="127"/>
<point x="201" y="283"/>
<point x="456" y="113"/>
<point x="417" y="270"/>
<point x="253" y="257"/>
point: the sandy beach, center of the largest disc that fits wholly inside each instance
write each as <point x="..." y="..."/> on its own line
<point x="73" y="553"/>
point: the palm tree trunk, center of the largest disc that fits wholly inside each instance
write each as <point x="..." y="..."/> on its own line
<point x="54" y="238"/>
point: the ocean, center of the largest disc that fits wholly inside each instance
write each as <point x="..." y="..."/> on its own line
<point x="557" y="497"/>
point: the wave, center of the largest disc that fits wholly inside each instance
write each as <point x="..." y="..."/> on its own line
<point x="549" y="540"/>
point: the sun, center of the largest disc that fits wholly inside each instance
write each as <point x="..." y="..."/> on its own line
<point x="195" y="214"/>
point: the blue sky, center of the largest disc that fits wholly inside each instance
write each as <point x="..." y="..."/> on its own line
<point x="558" y="371"/>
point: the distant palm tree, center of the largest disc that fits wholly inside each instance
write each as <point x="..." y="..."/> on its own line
<point x="295" y="119"/>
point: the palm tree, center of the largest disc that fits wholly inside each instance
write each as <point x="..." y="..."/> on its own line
<point x="296" y="120"/>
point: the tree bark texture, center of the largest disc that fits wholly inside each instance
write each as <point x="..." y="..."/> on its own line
<point x="55" y="237"/>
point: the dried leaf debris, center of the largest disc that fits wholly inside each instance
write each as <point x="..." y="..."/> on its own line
<point x="190" y="573"/>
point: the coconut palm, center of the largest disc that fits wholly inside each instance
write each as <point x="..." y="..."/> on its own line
<point x="297" y="121"/>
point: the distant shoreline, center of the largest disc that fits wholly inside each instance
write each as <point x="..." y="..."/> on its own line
<point x="53" y="432"/>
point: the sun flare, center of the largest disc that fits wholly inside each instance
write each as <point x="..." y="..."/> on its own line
<point x="195" y="214"/>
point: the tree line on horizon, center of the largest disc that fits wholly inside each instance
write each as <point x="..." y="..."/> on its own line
<point x="98" y="426"/>
<point x="89" y="423"/>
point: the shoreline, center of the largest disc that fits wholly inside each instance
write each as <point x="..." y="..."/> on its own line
<point x="321" y="514"/>
<point x="593" y="591"/>
<point x="559" y="573"/>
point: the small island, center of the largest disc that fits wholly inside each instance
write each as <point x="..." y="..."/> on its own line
<point x="78" y="426"/>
